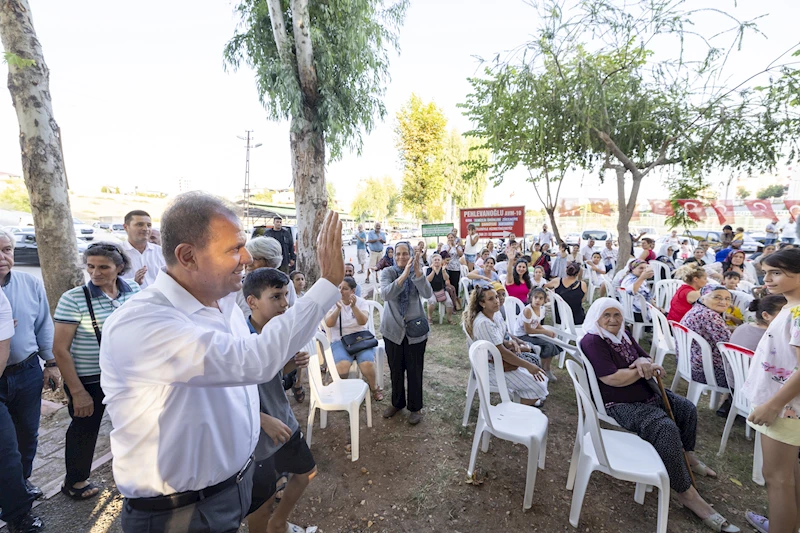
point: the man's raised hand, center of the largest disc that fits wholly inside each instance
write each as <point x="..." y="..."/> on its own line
<point x="329" y="249"/>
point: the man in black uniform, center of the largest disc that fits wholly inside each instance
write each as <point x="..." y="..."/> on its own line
<point x="283" y="236"/>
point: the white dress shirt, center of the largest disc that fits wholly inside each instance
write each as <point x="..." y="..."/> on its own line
<point x="546" y="237"/>
<point x="587" y="252"/>
<point x="152" y="258"/>
<point x="180" y="383"/>
<point x="6" y="318"/>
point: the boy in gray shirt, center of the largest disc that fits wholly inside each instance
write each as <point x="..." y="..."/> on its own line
<point x="281" y="447"/>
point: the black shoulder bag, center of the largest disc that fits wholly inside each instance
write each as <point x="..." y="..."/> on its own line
<point x="358" y="341"/>
<point x="91" y="313"/>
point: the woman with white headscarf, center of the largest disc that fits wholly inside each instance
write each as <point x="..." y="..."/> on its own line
<point x="624" y="372"/>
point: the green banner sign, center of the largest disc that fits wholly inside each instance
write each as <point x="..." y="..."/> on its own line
<point x="436" y="230"/>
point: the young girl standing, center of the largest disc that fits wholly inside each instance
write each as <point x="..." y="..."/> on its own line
<point x="773" y="387"/>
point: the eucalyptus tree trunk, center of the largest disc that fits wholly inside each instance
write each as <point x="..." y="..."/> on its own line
<point x="42" y="158"/>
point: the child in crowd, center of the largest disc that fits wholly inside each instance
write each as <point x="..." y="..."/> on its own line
<point x="299" y="282"/>
<point x="281" y="447"/>
<point x="685" y="250"/>
<point x="731" y="280"/>
<point x="597" y="271"/>
<point x="538" y="277"/>
<point x="531" y="322"/>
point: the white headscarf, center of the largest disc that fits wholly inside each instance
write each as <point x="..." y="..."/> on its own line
<point x="664" y="250"/>
<point x="594" y="313"/>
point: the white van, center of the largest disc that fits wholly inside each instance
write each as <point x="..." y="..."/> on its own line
<point x="600" y="237"/>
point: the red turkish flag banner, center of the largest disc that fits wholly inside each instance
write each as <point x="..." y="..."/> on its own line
<point x="600" y="206"/>
<point x="635" y="215"/>
<point x="724" y="210"/>
<point x="760" y="208"/>
<point x="661" y="207"/>
<point x="794" y="208"/>
<point x="569" y="207"/>
<point x="694" y="209"/>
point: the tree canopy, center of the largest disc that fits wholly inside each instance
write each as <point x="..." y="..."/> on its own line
<point x="377" y="199"/>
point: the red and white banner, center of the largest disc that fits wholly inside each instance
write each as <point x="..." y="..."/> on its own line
<point x="760" y="208"/>
<point x="724" y="210"/>
<point x="694" y="209"/>
<point x="569" y="207"/>
<point x="794" y="208"/>
<point x="601" y="206"/>
<point x="495" y="222"/>
<point x="661" y="207"/>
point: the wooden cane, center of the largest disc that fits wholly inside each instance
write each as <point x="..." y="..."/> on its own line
<point x="668" y="408"/>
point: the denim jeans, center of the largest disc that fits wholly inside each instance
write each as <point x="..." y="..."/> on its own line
<point x="20" y="408"/>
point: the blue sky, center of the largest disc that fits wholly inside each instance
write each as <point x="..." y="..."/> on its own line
<point x="141" y="96"/>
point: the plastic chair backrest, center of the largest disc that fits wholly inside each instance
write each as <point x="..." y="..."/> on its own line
<point x="590" y="383"/>
<point x="662" y="334"/>
<point x="374" y="306"/>
<point x="514" y="307"/>
<point x="626" y="299"/>
<point x="467" y="335"/>
<point x="684" y="337"/>
<point x="750" y="268"/>
<point x="314" y="370"/>
<point x="464" y="271"/>
<point x="324" y="345"/>
<point x="661" y="271"/>
<point x="479" y="354"/>
<point x="738" y="359"/>
<point x="591" y="422"/>
<point x="609" y="287"/>
<point x="565" y="321"/>
<point x="665" y="290"/>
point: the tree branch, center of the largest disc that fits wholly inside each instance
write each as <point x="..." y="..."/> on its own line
<point x="304" y="50"/>
<point x="279" y="30"/>
<point x="662" y="156"/>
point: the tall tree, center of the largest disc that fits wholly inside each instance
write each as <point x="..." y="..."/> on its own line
<point x="322" y="65"/>
<point x="464" y="164"/>
<point x="420" y="137"/>
<point x="377" y="199"/>
<point x="42" y="158"/>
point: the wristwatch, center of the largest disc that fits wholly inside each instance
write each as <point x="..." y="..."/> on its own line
<point x="50" y="364"/>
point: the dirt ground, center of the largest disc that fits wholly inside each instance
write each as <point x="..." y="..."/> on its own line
<point x="412" y="479"/>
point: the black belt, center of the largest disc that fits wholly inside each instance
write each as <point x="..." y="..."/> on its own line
<point x="16" y="367"/>
<point x="182" y="499"/>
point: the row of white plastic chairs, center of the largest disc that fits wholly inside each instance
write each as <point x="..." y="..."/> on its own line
<point x="616" y="453"/>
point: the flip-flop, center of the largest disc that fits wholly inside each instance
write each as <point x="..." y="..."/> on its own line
<point x="717" y="522"/>
<point x="78" y="494"/>
<point x="281" y="486"/>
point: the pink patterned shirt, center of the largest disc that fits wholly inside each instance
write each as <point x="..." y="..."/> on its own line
<point x="775" y="361"/>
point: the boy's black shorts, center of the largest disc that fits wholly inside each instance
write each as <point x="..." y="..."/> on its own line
<point x="293" y="457"/>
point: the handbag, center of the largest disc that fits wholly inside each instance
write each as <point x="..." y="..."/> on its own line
<point x="441" y="296"/>
<point x="91" y="313"/>
<point x="358" y="341"/>
<point x="417" y="327"/>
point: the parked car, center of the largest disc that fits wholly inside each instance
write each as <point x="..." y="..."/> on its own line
<point x="573" y="239"/>
<point x="749" y="245"/>
<point x="102" y="225"/>
<point x="83" y="231"/>
<point x="600" y="237"/>
<point x="349" y="239"/>
<point x="25" y="248"/>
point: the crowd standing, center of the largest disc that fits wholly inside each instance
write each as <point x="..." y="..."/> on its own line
<point x="177" y="329"/>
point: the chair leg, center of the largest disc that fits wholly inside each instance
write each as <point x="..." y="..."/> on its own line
<point x="368" y="398"/>
<point x="542" y="451"/>
<point x="573" y="463"/>
<point x="472" y="388"/>
<point x="758" y="462"/>
<point x="748" y="432"/>
<point x="639" y="492"/>
<point x="485" y="441"/>
<point x="579" y="490"/>
<point x="354" y="432"/>
<point x="637" y="331"/>
<point x="561" y="358"/>
<point x="726" y="433"/>
<point x="663" y="506"/>
<point x="694" y="392"/>
<point x="675" y="380"/>
<point x="323" y="418"/>
<point x="312" y="409"/>
<point x="713" y="402"/>
<point x="381" y="355"/>
<point x="441" y="314"/>
<point x="476" y="440"/>
<point x="530" y="474"/>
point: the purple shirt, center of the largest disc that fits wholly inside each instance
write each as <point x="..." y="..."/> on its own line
<point x="606" y="358"/>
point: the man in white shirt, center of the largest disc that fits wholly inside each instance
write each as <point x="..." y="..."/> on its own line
<point x="546" y="236"/>
<point x="609" y="255"/>
<point x="587" y="251"/>
<point x="789" y="231"/>
<point x="146" y="257"/>
<point x="179" y="368"/>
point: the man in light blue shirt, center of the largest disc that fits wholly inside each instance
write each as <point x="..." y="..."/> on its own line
<point x="375" y="241"/>
<point x="21" y="387"/>
<point x="361" y="247"/>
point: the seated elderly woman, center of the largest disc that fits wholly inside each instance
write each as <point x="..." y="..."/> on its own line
<point x="483" y="321"/>
<point x="624" y="372"/>
<point x="635" y="282"/>
<point x="707" y="318"/>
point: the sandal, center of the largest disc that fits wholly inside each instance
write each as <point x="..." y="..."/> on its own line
<point x="538" y="403"/>
<point x="80" y="494"/>
<point x="701" y="469"/>
<point x="717" y="522"/>
<point x="299" y="394"/>
<point x="279" y="488"/>
<point x="294" y="528"/>
<point x="377" y="394"/>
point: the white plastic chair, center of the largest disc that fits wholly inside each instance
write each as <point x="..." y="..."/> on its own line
<point x="380" y="351"/>
<point x="564" y="327"/>
<point x="339" y="395"/>
<point x="463" y="290"/>
<point x="664" y="292"/>
<point x="592" y="385"/>
<point x="626" y="299"/>
<point x="513" y="307"/>
<point x="663" y="342"/>
<point x="661" y="271"/>
<point x="621" y="455"/>
<point x="737" y="360"/>
<point x="684" y="337"/>
<point x="522" y="424"/>
<point x="472" y="385"/>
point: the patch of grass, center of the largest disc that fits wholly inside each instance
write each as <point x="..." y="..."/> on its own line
<point x="432" y="493"/>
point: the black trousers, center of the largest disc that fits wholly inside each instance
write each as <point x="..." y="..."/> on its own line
<point x="82" y="433"/>
<point x="406" y="362"/>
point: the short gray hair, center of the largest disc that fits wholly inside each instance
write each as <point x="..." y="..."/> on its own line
<point x="187" y="220"/>
<point x="8" y="235"/>
<point x="266" y="248"/>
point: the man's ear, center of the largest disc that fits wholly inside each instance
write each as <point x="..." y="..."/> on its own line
<point x="185" y="254"/>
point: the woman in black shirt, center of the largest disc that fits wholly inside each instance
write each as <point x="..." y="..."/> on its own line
<point x="440" y="282"/>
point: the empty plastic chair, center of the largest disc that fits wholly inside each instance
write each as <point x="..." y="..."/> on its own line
<point x="738" y="365"/>
<point x="626" y="299"/>
<point x="513" y="307"/>
<point x="523" y="424"/>
<point x="662" y="343"/>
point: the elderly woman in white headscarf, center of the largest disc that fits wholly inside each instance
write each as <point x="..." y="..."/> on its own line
<point x="624" y="372"/>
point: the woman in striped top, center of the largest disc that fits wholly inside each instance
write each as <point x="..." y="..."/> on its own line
<point x="79" y="319"/>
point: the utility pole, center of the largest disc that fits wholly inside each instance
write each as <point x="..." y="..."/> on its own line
<point x="246" y="189"/>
